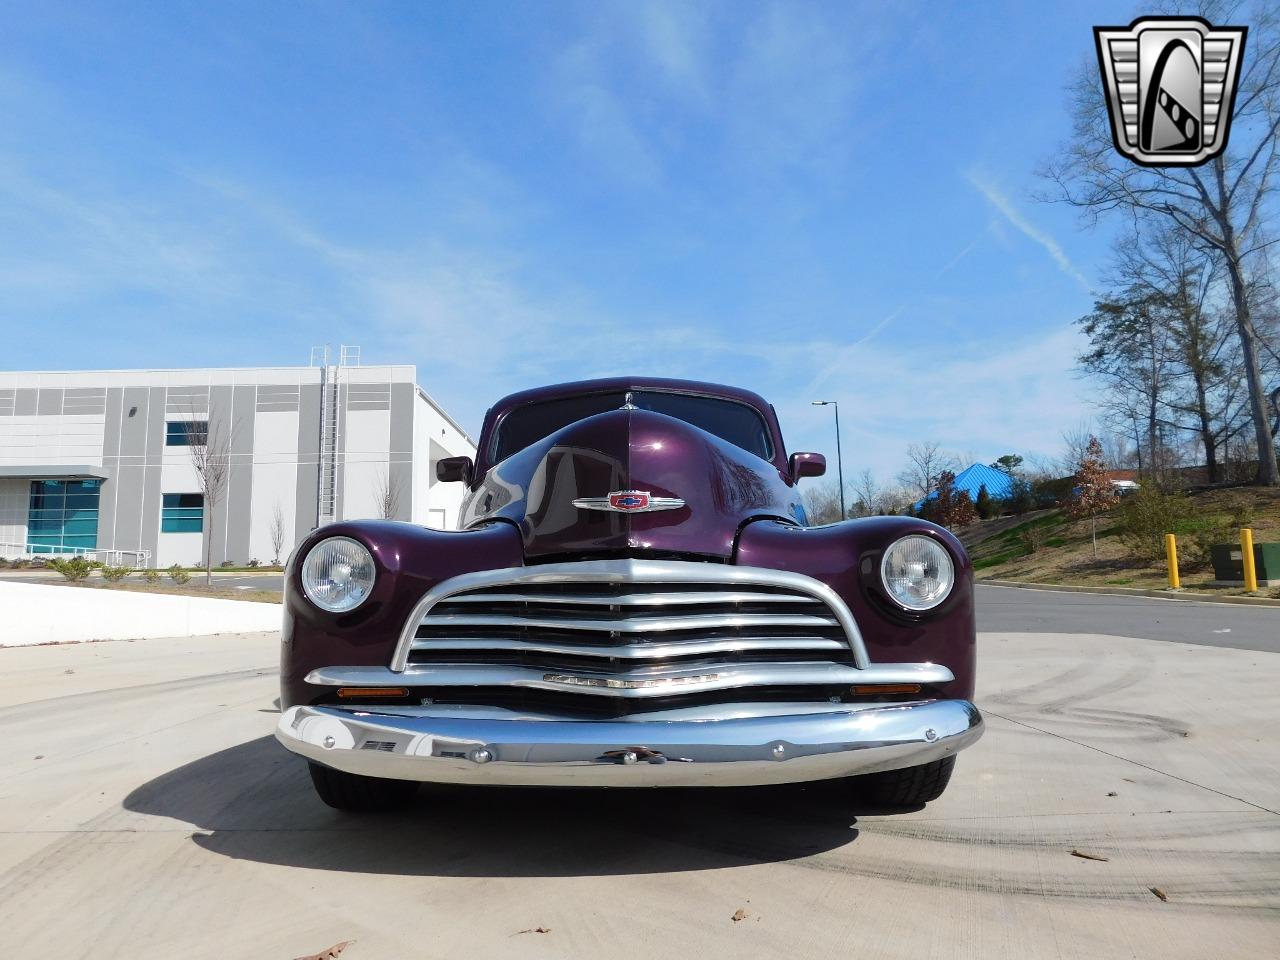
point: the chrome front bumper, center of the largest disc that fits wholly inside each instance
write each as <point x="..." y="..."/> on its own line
<point x="844" y="740"/>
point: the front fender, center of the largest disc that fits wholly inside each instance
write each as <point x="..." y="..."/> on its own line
<point x="846" y="557"/>
<point x="410" y="560"/>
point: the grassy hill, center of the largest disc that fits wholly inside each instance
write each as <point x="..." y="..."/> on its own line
<point x="1049" y="547"/>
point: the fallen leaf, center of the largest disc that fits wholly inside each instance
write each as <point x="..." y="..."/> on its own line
<point x="38" y="756"/>
<point x="738" y="914"/>
<point x="329" y="954"/>
<point x="1159" y="893"/>
<point x="1088" y="856"/>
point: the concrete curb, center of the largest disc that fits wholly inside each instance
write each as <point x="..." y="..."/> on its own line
<point x="1131" y="592"/>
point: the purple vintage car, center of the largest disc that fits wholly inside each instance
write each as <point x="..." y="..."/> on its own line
<point x="634" y="598"/>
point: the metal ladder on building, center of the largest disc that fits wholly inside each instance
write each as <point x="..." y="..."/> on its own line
<point x="331" y="404"/>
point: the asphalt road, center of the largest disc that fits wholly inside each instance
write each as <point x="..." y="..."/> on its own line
<point x="146" y="812"/>
<point x="1017" y="610"/>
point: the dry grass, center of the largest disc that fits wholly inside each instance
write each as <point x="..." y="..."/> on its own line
<point x="192" y="589"/>
<point x="1066" y="555"/>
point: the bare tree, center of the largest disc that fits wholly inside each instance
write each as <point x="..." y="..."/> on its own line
<point x="1221" y="205"/>
<point x="1206" y="397"/>
<point x="895" y="499"/>
<point x="1075" y="441"/>
<point x="276" y="530"/>
<point x="822" y="504"/>
<point x="387" y="495"/>
<point x="209" y="445"/>
<point x="925" y="462"/>
<point x="867" y="501"/>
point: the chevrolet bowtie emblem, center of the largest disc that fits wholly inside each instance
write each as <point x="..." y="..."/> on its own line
<point x="1171" y="87"/>
<point x="629" y="501"/>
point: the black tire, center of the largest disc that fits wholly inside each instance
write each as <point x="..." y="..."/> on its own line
<point x="908" y="787"/>
<point x="357" y="794"/>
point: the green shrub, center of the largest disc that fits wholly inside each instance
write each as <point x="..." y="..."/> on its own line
<point x="151" y="575"/>
<point x="1199" y="534"/>
<point x="178" y="575"/>
<point x="74" y="569"/>
<point x="115" y="574"/>
<point x="1146" y="516"/>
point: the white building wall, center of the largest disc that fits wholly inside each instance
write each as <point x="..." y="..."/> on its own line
<point x="114" y="423"/>
<point x="275" y="468"/>
<point x="436" y="504"/>
<point x="15" y="501"/>
<point x="366" y="460"/>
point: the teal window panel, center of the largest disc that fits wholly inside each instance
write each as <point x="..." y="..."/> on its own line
<point x="182" y="513"/>
<point x="181" y="525"/>
<point x="63" y="515"/>
<point x="185" y="433"/>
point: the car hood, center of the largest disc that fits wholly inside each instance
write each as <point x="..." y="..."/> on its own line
<point x="722" y="486"/>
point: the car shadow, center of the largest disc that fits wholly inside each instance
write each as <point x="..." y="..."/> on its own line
<point x="255" y="802"/>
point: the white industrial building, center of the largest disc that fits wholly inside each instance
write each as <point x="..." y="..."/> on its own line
<point x="100" y="462"/>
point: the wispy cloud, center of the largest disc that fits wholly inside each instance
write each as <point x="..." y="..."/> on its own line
<point x="998" y="199"/>
<point x="838" y="362"/>
<point x="954" y="261"/>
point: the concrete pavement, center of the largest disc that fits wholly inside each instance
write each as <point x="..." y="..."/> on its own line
<point x="1014" y="609"/>
<point x="146" y="812"/>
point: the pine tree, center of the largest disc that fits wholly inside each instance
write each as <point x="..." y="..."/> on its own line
<point x="983" y="503"/>
<point x="1093" y="493"/>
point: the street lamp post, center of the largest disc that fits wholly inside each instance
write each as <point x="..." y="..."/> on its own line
<point x="839" y="458"/>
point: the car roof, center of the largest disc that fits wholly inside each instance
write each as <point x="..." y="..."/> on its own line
<point x="575" y="388"/>
<point x="612" y="384"/>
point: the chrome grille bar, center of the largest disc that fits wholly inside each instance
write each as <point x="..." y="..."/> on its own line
<point x="628" y="624"/>
<point x="656" y="682"/>
<point x="638" y="651"/>
<point x="659" y="581"/>
<point x="701" y="597"/>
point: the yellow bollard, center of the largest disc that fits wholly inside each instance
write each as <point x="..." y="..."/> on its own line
<point x="1246" y="554"/>
<point x="1171" y="554"/>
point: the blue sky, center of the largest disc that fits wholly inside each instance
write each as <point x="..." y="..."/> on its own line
<point x="813" y="200"/>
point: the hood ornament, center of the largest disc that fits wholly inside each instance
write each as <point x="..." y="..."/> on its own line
<point x="629" y="501"/>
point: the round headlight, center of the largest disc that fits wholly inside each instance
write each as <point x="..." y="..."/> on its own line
<point x="338" y="574"/>
<point x="917" y="572"/>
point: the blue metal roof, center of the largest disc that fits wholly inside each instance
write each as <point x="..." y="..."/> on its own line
<point x="999" y="484"/>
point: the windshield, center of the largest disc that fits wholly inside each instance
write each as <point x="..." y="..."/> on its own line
<point x="729" y="420"/>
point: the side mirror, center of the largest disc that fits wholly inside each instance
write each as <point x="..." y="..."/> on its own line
<point x="805" y="465"/>
<point x="453" y="469"/>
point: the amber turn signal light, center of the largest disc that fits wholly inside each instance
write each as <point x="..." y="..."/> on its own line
<point x="863" y="689"/>
<point x="352" y="693"/>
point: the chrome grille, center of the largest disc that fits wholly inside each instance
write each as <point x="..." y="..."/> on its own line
<point x="632" y="628"/>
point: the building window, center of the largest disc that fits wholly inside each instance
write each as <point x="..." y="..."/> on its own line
<point x="182" y="513"/>
<point x="186" y="433"/>
<point x="63" y="516"/>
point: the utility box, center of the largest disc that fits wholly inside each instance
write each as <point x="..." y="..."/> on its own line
<point x="1228" y="563"/>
